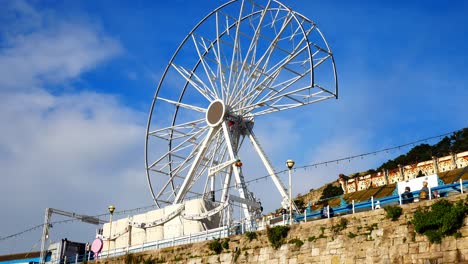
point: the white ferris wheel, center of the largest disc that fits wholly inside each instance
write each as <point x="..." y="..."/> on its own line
<point x="242" y="61"/>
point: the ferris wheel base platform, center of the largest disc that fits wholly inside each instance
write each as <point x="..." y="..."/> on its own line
<point x="163" y="223"/>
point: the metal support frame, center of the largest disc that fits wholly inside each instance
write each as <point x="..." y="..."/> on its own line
<point x="270" y="169"/>
<point x="45" y="229"/>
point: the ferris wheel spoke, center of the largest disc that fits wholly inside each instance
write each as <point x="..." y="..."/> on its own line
<point x="251" y="52"/>
<point x="278" y="89"/>
<point x="182" y="147"/>
<point x="196" y="82"/>
<point x="268" y="51"/>
<point x="208" y="70"/>
<point x="277" y="68"/>
<point x="252" y="89"/>
<point x="276" y="108"/>
<point x="178" y="168"/>
<point x="236" y="49"/>
<point x="195" y="163"/>
<point x="274" y="91"/>
<point x="253" y="42"/>
<point x="186" y="106"/>
<point x="215" y="165"/>
<point x="180" y="130"/>
<point x="173" y="153"/>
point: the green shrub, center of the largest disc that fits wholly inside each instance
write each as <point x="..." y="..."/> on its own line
<point x="340" y="226"/>
<point x="276" y="235"/>
<point x="129" y="258"/>
<point x="236" y="254"/>
<point x="225" y="243"/>
<point x="369" y="229"/>
<point x="297" y="242"/>
<point x="351" y="235"/>
<point x="444" y="219"/>
<point x="251" y="235"/>
<point x="312" y="239"/>
<point x="393" y="212"/>
<point x="215" y="245"/>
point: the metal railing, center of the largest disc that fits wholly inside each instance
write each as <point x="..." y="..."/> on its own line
<point x="353" y="207"/>
<point x="220" y="232"/>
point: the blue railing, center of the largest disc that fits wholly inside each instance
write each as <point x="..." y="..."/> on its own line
<point x="443" y="190"/>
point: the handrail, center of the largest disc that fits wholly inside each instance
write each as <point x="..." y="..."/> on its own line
<point x="393" y="199"/>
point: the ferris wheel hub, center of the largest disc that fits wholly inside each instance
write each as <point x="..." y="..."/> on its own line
<point x="216" y="113"/>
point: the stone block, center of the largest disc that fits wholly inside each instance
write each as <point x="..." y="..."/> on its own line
<point x="315" y="252"/>
<point x="335" y="260"/>
<point x="360" y="253"/>
<point x="414" y="248"/>
<point x="451" y="256"/>
<point x="436" y="247"/>
<point x="403" y="249"/>
<point x="464" y="231"/>
<point x="334" y="244"/>
<point x="423" y="247"/>
<point x="435" y="255"/>
<point x="462" y="243"/>
<point x="463" y="254"/>
<point x="448" y="243"/>
<point x="377" y="233"/>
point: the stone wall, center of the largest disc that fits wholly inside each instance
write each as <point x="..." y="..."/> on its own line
<point x="368" y="238"/>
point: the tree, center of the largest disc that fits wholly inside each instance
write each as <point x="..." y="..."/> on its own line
<point x="443" y="148"/>
<point x="460" y="140"/>
<point x="331" y="191"/>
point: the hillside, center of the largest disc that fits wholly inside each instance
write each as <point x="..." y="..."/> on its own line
<point x="457" y="142"/>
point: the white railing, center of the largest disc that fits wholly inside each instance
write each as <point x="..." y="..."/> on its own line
<point x="220" y="232"/>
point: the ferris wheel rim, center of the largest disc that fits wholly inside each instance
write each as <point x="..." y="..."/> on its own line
<point x="176" y="108"/>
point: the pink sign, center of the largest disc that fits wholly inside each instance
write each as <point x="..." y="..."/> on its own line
<point x="96" y="247"/>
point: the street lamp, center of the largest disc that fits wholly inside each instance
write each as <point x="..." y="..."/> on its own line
<point x="290" y="165"/>
<point x="111" y="209"/>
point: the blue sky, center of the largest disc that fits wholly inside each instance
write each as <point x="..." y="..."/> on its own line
<point x="77" y="80"/>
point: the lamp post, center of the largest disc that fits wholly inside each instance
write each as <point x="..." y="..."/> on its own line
<point x="111" y="211"/>
<point x="290" y="165"/>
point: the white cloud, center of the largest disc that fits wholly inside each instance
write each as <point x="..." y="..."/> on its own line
<point x="77" y="151"/>
<point x="56" y="51"/>
<point x="74" y="152"/>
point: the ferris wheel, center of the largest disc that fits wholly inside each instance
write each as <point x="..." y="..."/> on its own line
<point x="244" y="60"/>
